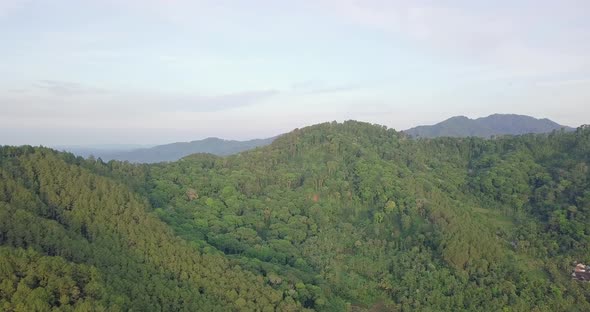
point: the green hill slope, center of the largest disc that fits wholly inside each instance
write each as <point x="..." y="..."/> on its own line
<point x="377" y="217"/>
<point x="332" y="217"/>
<point x="78" y="241"/>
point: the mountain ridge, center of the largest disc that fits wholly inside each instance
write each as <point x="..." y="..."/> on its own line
<point x="456" y="126"/>
<point x="177" y="150"/>
<point x="486" y="127"/>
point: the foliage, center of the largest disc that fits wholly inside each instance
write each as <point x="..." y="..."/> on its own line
<point x="333" y="217"/>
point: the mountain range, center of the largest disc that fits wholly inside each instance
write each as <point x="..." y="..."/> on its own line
<point x="493" y="125"/>
<point x="459" y="126"/>
<point x="172" y="151"/>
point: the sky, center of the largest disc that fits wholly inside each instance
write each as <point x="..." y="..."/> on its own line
<point x="84" y="72"/>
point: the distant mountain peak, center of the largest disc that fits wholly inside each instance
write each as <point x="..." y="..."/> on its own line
<point x="460" y="117"/>
<point x="495" y="124"/>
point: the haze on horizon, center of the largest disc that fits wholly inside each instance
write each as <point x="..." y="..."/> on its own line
<point x="156" y="71"/>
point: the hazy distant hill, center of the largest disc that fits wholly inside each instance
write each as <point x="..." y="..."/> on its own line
<point x="497" y="124"/>
<point x="175" y="151"/>
<point x="100" y="149"/>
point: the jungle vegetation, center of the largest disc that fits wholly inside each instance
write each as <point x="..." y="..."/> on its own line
<point x="333" y="217"/>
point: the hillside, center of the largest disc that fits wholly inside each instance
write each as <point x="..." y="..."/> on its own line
<point x="485" y="127"/>
<point x="332" y="217"/>
<point x="73" y="240"/>
<point x="175" y="151"/>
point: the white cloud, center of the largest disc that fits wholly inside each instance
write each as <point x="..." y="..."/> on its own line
<point x="57" y="103"/>
<point x="525" y="40"/>
<point x="66" y="88"/>
<point x="9" y="6"/>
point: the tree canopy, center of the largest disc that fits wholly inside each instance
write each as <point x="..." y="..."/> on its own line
<point x="332" y="217"/>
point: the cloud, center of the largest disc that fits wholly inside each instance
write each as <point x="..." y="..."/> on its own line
<point x="317" y="87"/>
<point x="521" y="39"/>
<point x="53" y="102"/>
<point x="65" y="88"/>
<point x="9" y="6"/>
<point x="564" y="82"/>
<point x="152" y="101"/>
<point x="200" y="103"/>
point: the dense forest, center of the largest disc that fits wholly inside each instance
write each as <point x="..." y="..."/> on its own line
<point x="333" y="217"/>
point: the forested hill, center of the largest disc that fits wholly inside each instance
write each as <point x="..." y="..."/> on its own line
<point x="493" y="125"/>
<point x="74" y="240"/>
<point x="332" y="217"/>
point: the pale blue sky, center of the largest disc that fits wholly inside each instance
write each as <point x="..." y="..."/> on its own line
<point x="147" y="72"/>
